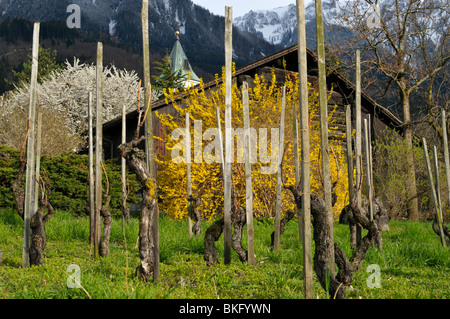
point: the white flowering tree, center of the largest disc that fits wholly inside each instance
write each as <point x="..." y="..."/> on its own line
<point x="63" y="100"/>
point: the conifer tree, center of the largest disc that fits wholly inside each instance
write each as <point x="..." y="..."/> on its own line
<point x="167" y="79"/>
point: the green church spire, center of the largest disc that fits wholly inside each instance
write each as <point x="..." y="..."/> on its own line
<point x="180" y="62"/>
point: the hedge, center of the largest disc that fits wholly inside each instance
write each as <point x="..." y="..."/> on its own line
<point x="68" y="176"/>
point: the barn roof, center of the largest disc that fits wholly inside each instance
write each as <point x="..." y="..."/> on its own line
<point x="290" y="54"/>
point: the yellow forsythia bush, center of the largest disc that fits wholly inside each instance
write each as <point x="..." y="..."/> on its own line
<point x="206" y="170"/>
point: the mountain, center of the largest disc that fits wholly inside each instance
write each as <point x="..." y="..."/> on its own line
<point x="279" y="26"/>
<point x="276" y="26"/>
<point x="201" y="32"/>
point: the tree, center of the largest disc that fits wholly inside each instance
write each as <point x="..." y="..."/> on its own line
<point x="404" y="44"/>
<point x="63" y="98"/>
<point x="206" y="171"/>
<point x="167" y="78"/>
<point x="47" y="64"/>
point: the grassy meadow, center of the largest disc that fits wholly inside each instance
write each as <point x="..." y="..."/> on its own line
<point x="412" y="264"/>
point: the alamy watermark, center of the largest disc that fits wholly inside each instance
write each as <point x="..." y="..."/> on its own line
<point x="212" y="152"/>
<point x="374" y="279"/>
<point x="74" y="279"/>
<point x="74" y="19"/>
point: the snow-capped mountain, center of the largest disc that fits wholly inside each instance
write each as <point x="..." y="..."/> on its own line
<point x="272" y="25"/>
<point x="279" y="26"/>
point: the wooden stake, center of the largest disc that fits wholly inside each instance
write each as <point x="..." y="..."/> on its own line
<point x="28" y="205"/>
<point x="358" y="146"/>
<point x="436" y="176"/>
<point x="98" y="148"/>
<point x="304" y="130"/>
<point x="433" y="192"/>
<point x="188" y="168"/>
<point x="149" y="146"/>
<point x="438" y="194"/>
<point x="123" y="166"/>
<point x="368" y="169"/>
<point x="248" y="177"/>
<point x="297" y="167"/>
<point x="323" y="106"/>
<point x="348" y="134"/>
<point x="276" y="239"/>
<point x="228" y="136"/>
<point x="369" y="122"/>
<point x="91" y="174"/>
<point x="222" y="160"/>
<point x="446" y="156"/>
<point x="38" y="164"/>
<point x="350" y="169"/>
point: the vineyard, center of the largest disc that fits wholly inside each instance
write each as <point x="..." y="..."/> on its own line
<point x="249" y="187"/>
<point x="412" y="263"/>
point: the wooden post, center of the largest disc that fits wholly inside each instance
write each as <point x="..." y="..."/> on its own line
<point x="38" y="164"/>
<point x="188" y="168"/>
<point x="91" y="174"/>
<point x="446" y="156"/>
<point x="350" y="168"/>
<point x="98" y="148"/>
<point x="304" y="132"/>
<point x="28" y="205"/>
<point x="438" y="185"/>
<point x="276" y="238"/>
<point x="323" y="106"/>
<point x="348" y="134"/>
<point x="297" y="167"/>
<point x="228" y="136"/>
<point x="358" y="146"/>
<point x="149" y="146"/>
<point x="219" y="129"/>
<point x="123" y="166"/>
<point x="368" y="169"/>
<point x="248" y="177"/>
<point x="369" y="122"/>
<point x="433" y="192"/>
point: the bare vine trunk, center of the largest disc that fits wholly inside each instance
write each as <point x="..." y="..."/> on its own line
<point x="104" y="241"/>
<point x="291" y="214"/>
<point x="137" y="161"/>
<point x="323" y="240"/>
<point x="213" y="233"/>
<point x="347" y="267"/>
<point x="380" y="216"/>
<point x="238" y="220"/>
<point x="194" y="214"/>
<point x="38" y="237"/>
<point x="444" y="229"/>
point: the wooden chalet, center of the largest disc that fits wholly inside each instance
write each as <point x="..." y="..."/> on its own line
<point x="343" y="95"/>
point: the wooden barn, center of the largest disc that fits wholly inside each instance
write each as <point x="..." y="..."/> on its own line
<point x="343" y="95"/>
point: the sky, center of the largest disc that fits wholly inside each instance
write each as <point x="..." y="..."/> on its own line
<point x="241" y="7"/>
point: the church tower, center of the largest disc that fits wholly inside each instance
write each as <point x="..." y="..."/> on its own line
<point x="180" y="62"/>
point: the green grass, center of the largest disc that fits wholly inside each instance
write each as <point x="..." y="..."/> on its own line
<point x="413" y="264"/>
